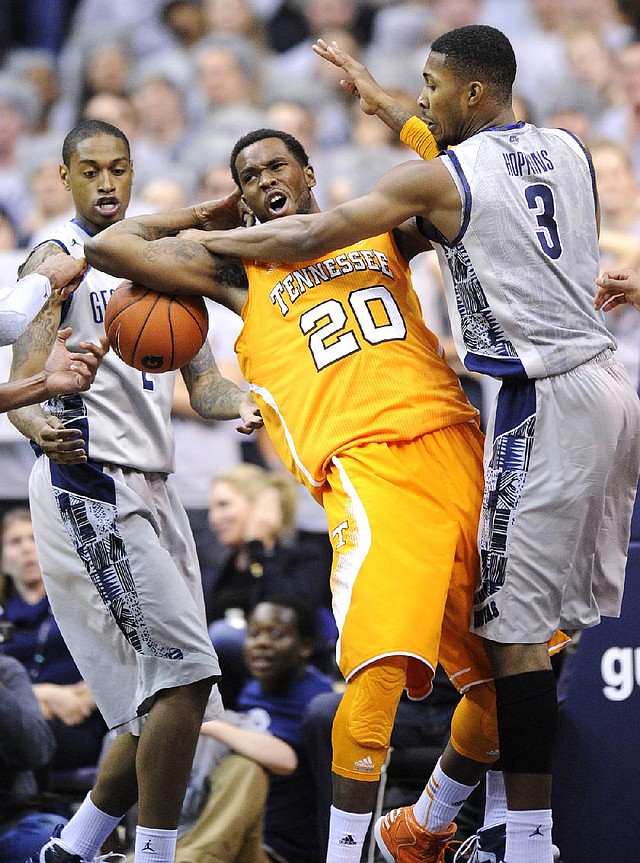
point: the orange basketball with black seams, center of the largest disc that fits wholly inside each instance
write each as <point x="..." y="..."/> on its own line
<point x="155" y="332"/>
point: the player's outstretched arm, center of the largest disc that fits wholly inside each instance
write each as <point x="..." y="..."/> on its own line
<point x="360" y="82"/>
<point x="375" y="100"/>
<point x="147" y="250"/>
<point x="63" y="373"/>
<point x="617" y="287"/>
<point x="413" y="189"/>
<point x="214" y="397"/>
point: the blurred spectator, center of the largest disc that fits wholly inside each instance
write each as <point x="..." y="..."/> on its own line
<point x="19" y="112"/>
<point x="107" y="70"/>
<point x="186" y="20"/>
<point x="215" y="181"/>
<point x="262" y="796"/>
<point x="300" y="75"/>
<point x="26" y="744"/>
<point x="8" y="234"/>
<point x="619" y="191"/>
<point x="39" y="69"/>
<point x="622" y="123"/>
<point x="234" y="18"/>
<point x="252" y="511"/>
<point x="163" y="194"/>
<point x="592" y="66"/>
<point x="162" y="123"/>
<point x="541" y="57"/>
<point x="117" y="109"/>
<point x="37" y="644"/>
<point x="296" y="119"/>
<point x="573" y="120"/>
<point x="226" y="75"/>
<point x="284" y="23"/>
<point x="52" y="204"/>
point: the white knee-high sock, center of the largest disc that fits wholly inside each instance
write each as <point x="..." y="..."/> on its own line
<point x="86" y="832"/>
<point x="347" y="832"/>
<point x="495" y="807"/>
<point x="440" y="801"/>
<point x="155" y="846"/>
<point x="529" y="836"/>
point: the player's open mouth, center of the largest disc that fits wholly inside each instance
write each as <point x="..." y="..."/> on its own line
<point x="276" y="202"/>
<point x="107" y="206"/>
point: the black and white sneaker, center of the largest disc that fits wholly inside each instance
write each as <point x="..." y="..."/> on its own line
<point x="55" y="851"/>
<point x="488" y="846"/>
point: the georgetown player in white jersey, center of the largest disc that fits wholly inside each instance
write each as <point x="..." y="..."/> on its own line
<point x="513" y="213"/>
<point x="114" y="543"/>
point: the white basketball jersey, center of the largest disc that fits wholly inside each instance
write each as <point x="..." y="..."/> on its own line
<point x="125" y="416"/>
<point x="519" y="277"/>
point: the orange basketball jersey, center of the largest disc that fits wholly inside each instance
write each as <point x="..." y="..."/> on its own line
<point x="337" y="354"/>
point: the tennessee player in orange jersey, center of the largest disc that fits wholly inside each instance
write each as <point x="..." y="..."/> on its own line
<point x="362" y="407"/>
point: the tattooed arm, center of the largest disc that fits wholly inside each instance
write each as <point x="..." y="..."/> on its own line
<point x="30" y="354"/>
<point x="146" y="249"/>
<point x="215" y="397"/>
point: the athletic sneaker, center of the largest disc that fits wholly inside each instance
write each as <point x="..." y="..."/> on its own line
<point x="402" y="840"/>
<point x="487" y="846"/>
<point x="55" y="851"/>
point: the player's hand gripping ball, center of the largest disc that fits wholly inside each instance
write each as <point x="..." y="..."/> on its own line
<point x="155" y="332"/>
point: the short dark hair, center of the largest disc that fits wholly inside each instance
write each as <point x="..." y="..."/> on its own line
<point x="479" y="51"/>
<point x="306" y="615"/>
<point x="292" y="144"/>
<point x="90" y="129"/>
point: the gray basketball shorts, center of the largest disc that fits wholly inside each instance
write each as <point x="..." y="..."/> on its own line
<point x="562" y="457"/>
<point x="121" y="572"/>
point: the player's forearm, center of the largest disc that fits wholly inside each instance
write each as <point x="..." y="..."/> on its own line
<point x="292" y="238"/>
<point x="115" y="249"/>
<point x="217" y="399"/>
<point x="393" y="114"/>
<point x="17" y="394"/>
<point x="28" y="420"/>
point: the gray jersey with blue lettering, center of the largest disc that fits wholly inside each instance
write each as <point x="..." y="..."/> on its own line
<point x="519" y="277"/>
<point x="125" y="416"/>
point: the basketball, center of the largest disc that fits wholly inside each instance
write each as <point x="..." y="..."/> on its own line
<point x="155" y="332"/>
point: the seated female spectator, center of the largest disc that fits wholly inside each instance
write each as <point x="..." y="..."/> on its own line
<point x="64" y="698"/>
<point x="252" y="511"/>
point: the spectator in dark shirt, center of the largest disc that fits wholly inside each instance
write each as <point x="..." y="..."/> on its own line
<point x="279" y="641"/>
<point x="37" y="644"/>
<point x="26" y="744"/>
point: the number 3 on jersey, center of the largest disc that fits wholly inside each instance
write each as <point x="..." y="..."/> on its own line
<point x="378" y="317"/>
<point x="540" y="200"/>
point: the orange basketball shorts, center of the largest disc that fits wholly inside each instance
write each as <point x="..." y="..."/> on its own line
<point x="403" y="519"/>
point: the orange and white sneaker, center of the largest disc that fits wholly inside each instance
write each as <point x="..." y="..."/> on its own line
<point x="402" y="840"/>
